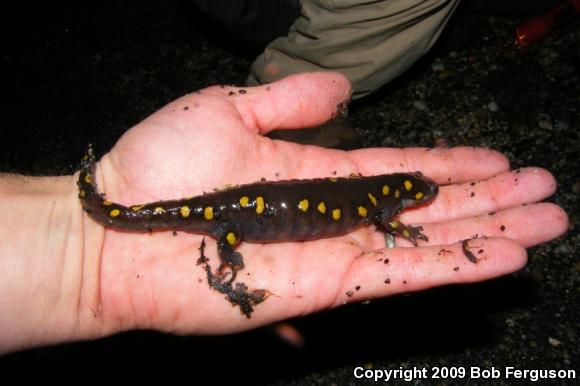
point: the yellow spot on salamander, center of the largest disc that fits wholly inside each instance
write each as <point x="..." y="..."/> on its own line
<point x="408" y="185"/>
<point x="114" y="213"/>
<point x="321" y="207"/>
<point x="184" y="211"/>
<point x="373" y="199"/>
<point x="107" y="203"/>
<point x="158" y="210"/>
<point x="82" y="194"/>
<point x="208" y="213"/>
<point x="336" y="214"/>
<point x="260" y="205"/>
<point x="88" y="179"/>
<point x="397" y="193"/>
<point x="362" y="211"/>
<point x="231" y="238"/>
<point x="244" y="201"/>
<point x="386" y="190"/>
<point x="303" y="205"/>
<point x="394" y="224"/>
<point x="136" y="208"/>
<point x="406" y="233"/>
<point x="332" y="179"/>
<point x="419" y="196"/>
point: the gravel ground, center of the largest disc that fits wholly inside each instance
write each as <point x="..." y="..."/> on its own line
<point x="75" y="75"/>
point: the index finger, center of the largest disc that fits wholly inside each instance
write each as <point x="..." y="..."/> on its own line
<point x="443" y="165"/>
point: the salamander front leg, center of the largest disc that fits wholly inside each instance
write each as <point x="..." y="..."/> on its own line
<point x="408" y="232"/>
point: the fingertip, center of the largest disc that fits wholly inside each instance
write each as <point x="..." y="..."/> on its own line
<point x="498" y="160"/>
<point x="557" y="218"/>
<point x="483" y="162"/>
<point x="484" y="258"/>
<point x="342" y="85"/>
<point x="563" y="218"/>
<point x="322" y="95"/>
<point x="326" y="79"/>
<point x="505" y="255"/>
<point x="519" y="259"/>
<point x="543" y="178"/>
<point x="502" y="162"/>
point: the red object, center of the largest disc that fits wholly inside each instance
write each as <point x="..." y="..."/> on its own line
<point x="540" y="26"/>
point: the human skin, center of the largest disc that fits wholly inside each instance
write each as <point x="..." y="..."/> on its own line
<point x="64" y="277"/>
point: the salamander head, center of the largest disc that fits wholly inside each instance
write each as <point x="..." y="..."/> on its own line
<point x="417" y="189"/>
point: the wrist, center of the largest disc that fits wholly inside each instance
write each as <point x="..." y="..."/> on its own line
<point x="49" y="263"/>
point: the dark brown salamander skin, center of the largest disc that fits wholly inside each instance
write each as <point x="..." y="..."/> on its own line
<point x="271" y="211"/>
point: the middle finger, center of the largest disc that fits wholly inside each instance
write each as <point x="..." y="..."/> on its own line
<point x="502" y="191"/>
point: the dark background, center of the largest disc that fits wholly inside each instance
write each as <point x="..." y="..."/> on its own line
<point x="74" y="74"/>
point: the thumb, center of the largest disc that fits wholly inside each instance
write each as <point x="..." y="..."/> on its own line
<point x="297" y="101"/>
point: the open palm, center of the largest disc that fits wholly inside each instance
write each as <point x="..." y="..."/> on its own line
<point x="214" y="138"/>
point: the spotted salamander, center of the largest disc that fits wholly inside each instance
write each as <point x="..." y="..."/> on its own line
<point x="266" y="212"/>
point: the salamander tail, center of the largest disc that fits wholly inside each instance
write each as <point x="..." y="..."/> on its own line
<point x="94" y="203"/>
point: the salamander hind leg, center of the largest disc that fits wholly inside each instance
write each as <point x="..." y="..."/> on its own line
<point x="238" y="294"/>
<point x="228" y="237"/>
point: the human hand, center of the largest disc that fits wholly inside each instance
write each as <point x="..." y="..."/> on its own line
<point x="214" y="138"/>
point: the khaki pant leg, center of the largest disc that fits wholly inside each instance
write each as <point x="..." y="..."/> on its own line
<point x="371" y="42"/>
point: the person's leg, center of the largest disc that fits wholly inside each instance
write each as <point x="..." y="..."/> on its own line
<point x="370" y="42"/>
